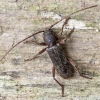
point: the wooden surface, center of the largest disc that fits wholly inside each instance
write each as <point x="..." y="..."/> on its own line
<point x="33" y="80"/>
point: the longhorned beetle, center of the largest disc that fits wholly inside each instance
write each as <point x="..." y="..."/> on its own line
<point x="62" y="64"/>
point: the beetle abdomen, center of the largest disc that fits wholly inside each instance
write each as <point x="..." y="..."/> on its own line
<point x="60" y="62"/>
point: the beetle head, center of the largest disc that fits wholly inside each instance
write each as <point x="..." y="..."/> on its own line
<point x="49" y="37"/>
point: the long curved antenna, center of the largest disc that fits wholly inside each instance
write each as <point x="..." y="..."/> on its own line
<point x="19" y="43"/>
<point x="68" y="16"/>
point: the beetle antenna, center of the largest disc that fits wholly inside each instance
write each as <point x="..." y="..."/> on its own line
<point x="19" y="43"/>
<point x="68" y="16"/>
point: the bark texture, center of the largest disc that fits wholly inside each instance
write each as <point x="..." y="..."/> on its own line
<point x="33" y="80"/>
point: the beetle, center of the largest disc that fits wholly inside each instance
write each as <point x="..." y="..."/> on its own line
<point x="62" y="64"/>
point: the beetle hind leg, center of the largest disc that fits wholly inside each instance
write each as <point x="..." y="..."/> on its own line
<point x="74" y="65"/>
<point x="62" y="86"/>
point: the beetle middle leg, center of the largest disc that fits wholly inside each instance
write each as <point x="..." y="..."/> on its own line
<point x="35" y="55"/>
<point x="42" y="44"/>
<point x="62" y="86"/>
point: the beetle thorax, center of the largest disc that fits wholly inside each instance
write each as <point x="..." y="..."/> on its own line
<point x="49" y="37"/>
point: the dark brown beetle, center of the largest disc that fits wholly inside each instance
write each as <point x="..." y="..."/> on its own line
<point x="63" y="65"/>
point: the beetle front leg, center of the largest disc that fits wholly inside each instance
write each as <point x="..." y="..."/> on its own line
<point x="62" y="41"/>
<point x="70" y="33"/>
<point x="35" y="41"/>
<point x="35" y="55"/>
<point x="62" y="86"/>
<point x="66" y="21"/>
<point x="42" y="43"/>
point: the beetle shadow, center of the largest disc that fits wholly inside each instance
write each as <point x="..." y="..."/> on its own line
<point x="12" y="74"/>
<point x="81" y="67"/>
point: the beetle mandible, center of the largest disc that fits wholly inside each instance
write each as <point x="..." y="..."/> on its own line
<point x="62" y="64"/>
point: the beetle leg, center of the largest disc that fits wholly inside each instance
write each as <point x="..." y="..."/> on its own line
<point x="62" y="41"/>
<point x="65" y="22"/>
<point x="42" y="43"/>
<point x="70" y="33"/>
<point x="74" y="65"/>
<point x="62" y="86"/>
<point x="35" y="55"/>
<point x="62" y="28"/>
<point x="30" y="41"/>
